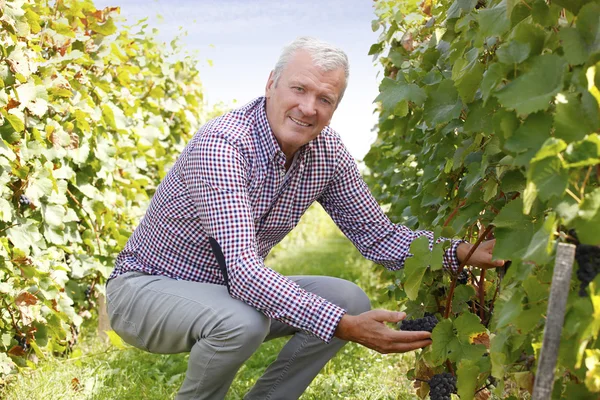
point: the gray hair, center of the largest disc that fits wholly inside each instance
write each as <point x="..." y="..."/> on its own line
<point x="324" y="55"/>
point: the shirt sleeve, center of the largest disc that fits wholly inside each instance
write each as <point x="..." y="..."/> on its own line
<point x="216" y="174"/>
<point x="355" y="211"/>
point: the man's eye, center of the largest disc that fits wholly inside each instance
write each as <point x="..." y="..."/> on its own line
<point x="326" y="101"/>
<point x="298" y="89"/>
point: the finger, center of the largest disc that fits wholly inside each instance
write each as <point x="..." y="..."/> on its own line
<point x="404" y="347"/>
<point x="410" y="336"/>
<point x="386" y="315"/>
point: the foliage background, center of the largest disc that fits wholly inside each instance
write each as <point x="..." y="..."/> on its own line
<point x="489" y="117"/>
<point x="91" y="118"/>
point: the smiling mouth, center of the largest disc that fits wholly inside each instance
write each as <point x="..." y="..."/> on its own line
<point x="297" y="121"/>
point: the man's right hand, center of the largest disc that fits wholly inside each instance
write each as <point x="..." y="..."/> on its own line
<point x="370" y="330"/>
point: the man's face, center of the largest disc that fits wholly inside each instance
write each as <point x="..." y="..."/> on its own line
<point x="303" y="101"/>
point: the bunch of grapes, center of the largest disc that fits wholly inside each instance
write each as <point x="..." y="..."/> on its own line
<point x="588" y="258"/>
<point x="22" y="341"/>
<point x="88" y="292"/>
<point x="463" y="277"/>
<point x="426" y="323"/>
<point x="24" y="201"/>
<point x="441" y="386"/>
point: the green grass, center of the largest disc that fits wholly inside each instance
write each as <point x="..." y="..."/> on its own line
<point x="97" y="371"/>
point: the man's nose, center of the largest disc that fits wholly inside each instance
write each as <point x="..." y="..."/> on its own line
<point x="308" y="106"/>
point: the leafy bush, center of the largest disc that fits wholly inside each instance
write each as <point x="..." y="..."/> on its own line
<point x="91" y="118"/>
<point x="489" y="118"/>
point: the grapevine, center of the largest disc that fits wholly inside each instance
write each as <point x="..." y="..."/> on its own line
<point x="489" y="123"/>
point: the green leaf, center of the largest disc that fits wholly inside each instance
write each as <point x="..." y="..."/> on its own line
<point x="572" y="120"/>
<point x="511" y="216"/>
<point x="468" y="326"/>
<point x="479" y="119"/>
<point x="541" y="246"/>
<point x="551" y="148"/>
<point x="115" y="339"/>
<point x="544" y="14"/>
<point x="532" y="34"/>
<point x="25" y="235"/>
<point x="416" y="266"/>
<point x="588" y="25"/>
<point x="467" y="74"/>
<point x="574" y="46"/>
<point x="393" y="92"/>
<point x="507" y="309"/>
<point x="15" y="121"/>
<point x="513" y="52"/>
<point x="443" y="105"/>
<point x="493" y="21"/>
<point x="532" y="134"/>
<point x="588" y="218"/>
<point x="466" y="383"/>
<point x="534" y="90"/>
<point x="442" y="338"/>
<point x="549" y="176"/>
<point x="492" y="77"/>
<point x="584" y="153"/>
<point x="107" y="28"/>
<point x="572" y="5"/>
<point x="514" y="231"/>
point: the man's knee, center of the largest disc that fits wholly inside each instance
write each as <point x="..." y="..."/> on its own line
<point x="357" y="301"/>
<point x="246" y="329"/>
<point x="344" y="294"/>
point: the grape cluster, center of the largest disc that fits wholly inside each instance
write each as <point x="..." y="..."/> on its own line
<point x="22" y="341"/>
<point x="24" y="201"/>
<point x="588" y="258"/>
<point x="441" y="386"/>
<point x="88" y="292"/>
<point x="462" y="278"/>
<point x="426" y="323"/>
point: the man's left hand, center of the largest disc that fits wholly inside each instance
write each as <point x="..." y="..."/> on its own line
<point x="481" y="257"/>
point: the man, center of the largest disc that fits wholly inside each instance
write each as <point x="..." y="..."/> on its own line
<point x="192" y="275"/>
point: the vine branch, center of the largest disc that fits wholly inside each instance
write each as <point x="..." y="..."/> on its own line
<point x="462" y="266"/>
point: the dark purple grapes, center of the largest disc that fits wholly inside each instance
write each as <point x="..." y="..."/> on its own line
<point x="426" y="323"/>
<point x="24" y="201"/>
<point x="88" y="292"/>
<point x="441" y="386"/>
<point x="588" y="259"/>
<point x="22" y="341"/>
<point x="462" y="278"/>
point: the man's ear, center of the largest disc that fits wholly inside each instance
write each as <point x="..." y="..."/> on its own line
<point x="270" y="85"/>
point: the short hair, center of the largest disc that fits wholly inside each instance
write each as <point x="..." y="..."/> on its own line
<point x="324" y="55"/>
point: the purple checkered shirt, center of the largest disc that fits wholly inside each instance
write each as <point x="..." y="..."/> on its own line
<point x="230" y="183"/>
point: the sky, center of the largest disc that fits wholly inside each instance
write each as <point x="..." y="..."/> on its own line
<point x="237" y="43"/>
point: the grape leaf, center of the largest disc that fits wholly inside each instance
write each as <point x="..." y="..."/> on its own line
<point x="393" y="92"/>
<point x="466" y="382"/>
<point x="443" y="105"/>
<point x="513" y="52"/>
<point x="574" y="46"/>
<point x="534" y="90"/>
<point x="416" y="266"/>
<point x="573" y="119"/>
<point x="584" y="153"/>
<point x="493" y="21"/>
<point x="588" y="218"/>
<point x="467" y="74"/>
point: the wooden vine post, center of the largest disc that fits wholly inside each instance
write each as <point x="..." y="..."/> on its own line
<point x="559" y="292"/>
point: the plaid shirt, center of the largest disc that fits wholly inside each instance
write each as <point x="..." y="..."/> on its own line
<point x="230" y="184"/>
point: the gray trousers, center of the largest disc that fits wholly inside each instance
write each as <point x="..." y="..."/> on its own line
<point x="163" y="315"/>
